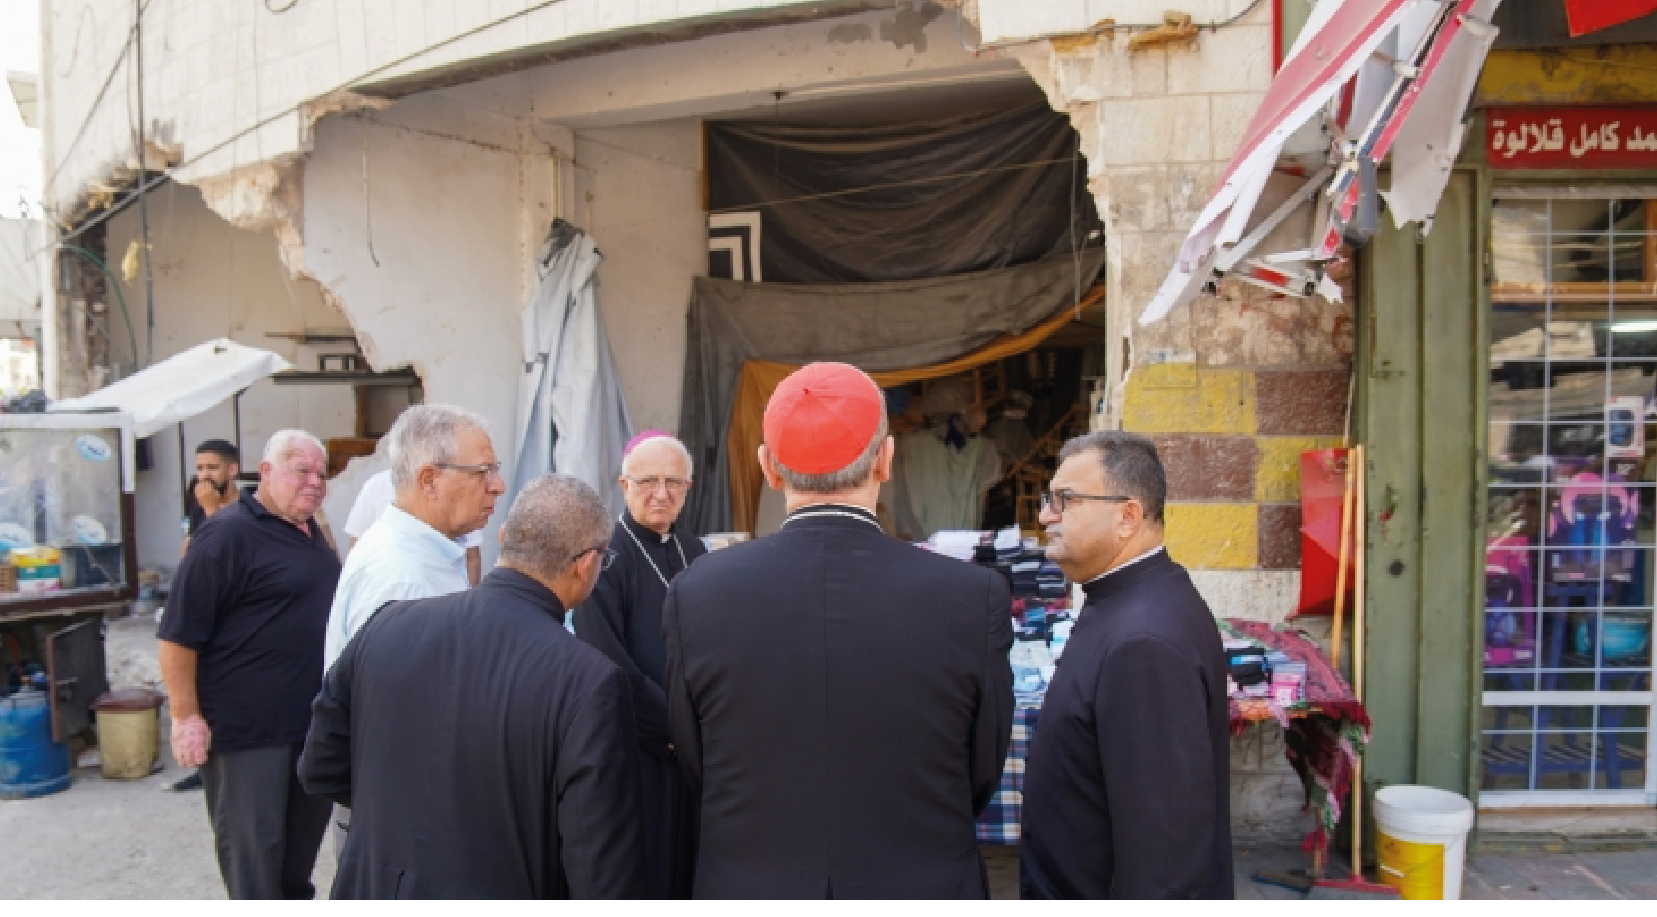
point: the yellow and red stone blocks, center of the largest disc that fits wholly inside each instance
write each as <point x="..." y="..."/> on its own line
<point x="1231" y="440"/>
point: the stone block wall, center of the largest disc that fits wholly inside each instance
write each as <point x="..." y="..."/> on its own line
<point x="1234" y="386"/>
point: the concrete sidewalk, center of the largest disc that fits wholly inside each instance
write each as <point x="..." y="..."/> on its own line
<point x="1489" y="876"/>
<point x="1495" y="876"/>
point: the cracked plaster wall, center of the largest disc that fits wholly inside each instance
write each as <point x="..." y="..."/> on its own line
<point x="212" y="280"/>
<point x="231" y="83"/>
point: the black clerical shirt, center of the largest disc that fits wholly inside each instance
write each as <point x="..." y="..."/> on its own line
<point x="1127" y="787"/>
<point x="623" y="617"/>
<point x="484" y="752"/>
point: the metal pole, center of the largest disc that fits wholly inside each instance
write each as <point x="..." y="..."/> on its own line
<point x="143" y="197"/>
<point x="183" y="482"/>
<point x="236" y="409"/>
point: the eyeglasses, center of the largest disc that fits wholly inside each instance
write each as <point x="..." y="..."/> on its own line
<point x="304" y="473"/>
<point x="485" y="470"/>
<point x="605" y="555"/>
<point x="650" y="484"/>
<point x="1058" y="498"/>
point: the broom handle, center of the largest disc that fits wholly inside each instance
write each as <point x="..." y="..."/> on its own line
<point x="1340" y="562"/>
<point x="1358" y="572"/>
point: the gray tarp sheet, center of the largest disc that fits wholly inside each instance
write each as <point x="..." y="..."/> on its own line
<point x="874" y="326"/>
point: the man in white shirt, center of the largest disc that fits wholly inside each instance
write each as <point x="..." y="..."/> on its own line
<point x="371" y="503"/>
<point x="445" y="478"/>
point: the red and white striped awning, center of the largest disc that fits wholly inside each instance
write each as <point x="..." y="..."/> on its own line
<point x="1413" y="64"/>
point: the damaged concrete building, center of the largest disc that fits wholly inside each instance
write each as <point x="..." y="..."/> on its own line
<point x="335" y="179"/>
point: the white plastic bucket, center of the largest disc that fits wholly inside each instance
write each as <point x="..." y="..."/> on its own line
<point x="1421" y="840"/>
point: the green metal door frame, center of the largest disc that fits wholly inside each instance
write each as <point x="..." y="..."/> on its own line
<point x="1421" y="376"/>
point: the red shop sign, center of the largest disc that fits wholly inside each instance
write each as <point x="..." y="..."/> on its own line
<point x="1572" y="137"/>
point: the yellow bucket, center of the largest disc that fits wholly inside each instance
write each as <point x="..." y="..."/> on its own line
<point x="1421" y="841"/>
<point x="129" y="733"/>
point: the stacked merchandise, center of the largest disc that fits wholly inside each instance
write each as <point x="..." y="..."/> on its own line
<point x="1256" y="672"/>
<point x="1050" y="582"/>
<point x="1041" y="599"/>
<point x="1024" y="578"/>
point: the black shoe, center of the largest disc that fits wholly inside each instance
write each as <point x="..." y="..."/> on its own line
<point x="192" y="782"/>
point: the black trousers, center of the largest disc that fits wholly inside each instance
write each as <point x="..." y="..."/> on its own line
<point x="267" y="830"/>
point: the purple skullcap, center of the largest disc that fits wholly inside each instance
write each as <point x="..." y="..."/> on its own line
<point x="644" y="435"/>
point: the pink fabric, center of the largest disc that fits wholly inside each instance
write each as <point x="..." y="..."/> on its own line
<point x="643" y="435"/>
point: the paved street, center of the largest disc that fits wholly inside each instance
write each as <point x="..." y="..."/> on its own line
<point x="104" y="839"/>
<point x="109" y="839"/>
<point x="116" y="839"/>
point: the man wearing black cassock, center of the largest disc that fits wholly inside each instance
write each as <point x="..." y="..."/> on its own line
<point x="485" y="752"/>
<point x="623" y="620"/>
<point x="841" y="699"/>
<point x="1126" y="791"/>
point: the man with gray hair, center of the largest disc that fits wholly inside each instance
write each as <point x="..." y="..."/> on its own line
<point x="446" y="479"/>
<point x="241" y="653"/>
<point x="623" y="620"/>
<point x="484" y="751"/>
<point x="842" y="700"/>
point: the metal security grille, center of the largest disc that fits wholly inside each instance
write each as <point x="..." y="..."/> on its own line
<point x="1567" y="673"/>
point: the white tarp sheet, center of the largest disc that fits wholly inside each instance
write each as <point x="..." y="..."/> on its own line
<point x="182" y="386"/>
<point x="572" y="418"/>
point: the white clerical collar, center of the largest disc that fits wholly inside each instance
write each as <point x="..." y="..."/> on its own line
<point x="846" y="510"/>
<point x="1118" y="569"/>
<point x="663" y="537"/>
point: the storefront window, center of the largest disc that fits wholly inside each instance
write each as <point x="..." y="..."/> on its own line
<point x="1570" y="535"/>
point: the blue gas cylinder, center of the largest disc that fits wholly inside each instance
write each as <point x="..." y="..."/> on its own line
<point x="31" y="764"/>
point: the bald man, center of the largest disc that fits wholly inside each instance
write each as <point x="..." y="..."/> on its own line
<point x="623" y="620"/>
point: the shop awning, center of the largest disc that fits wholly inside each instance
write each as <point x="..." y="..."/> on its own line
<point x="182" y="386"/>
<point x="1397" y="103"/>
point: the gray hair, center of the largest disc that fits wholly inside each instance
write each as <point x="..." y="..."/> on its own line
<point x="853" y="475"/>
<point x="1132" y="466"/>
<point x="554" y="520"/>
<point x="427" y="434"/>
<point x="282" y="444"/>
<point x="690" y="466"/>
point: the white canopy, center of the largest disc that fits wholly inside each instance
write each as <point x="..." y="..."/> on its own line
<point x="182" y="386"/>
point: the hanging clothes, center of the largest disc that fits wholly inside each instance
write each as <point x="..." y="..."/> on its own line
<point x="936" y="485"/>
<point x="1011" y="436"/>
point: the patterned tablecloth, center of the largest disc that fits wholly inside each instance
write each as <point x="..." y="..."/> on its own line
<point x="1000" y="821"/>
<point x="1323" y="736"/>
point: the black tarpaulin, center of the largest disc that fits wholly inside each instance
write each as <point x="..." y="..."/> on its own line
<point x="874" y="326"/>
<point x="905" y="201"/>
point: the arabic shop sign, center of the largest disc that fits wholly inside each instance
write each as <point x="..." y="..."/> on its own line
<point x="1571" y="137"/>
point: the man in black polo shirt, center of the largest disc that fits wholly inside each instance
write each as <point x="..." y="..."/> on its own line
<point x="241" y="653"/>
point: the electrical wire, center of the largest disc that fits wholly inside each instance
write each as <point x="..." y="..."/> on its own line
<point x="285" y="112"/>
<point x="97" y="100"/>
